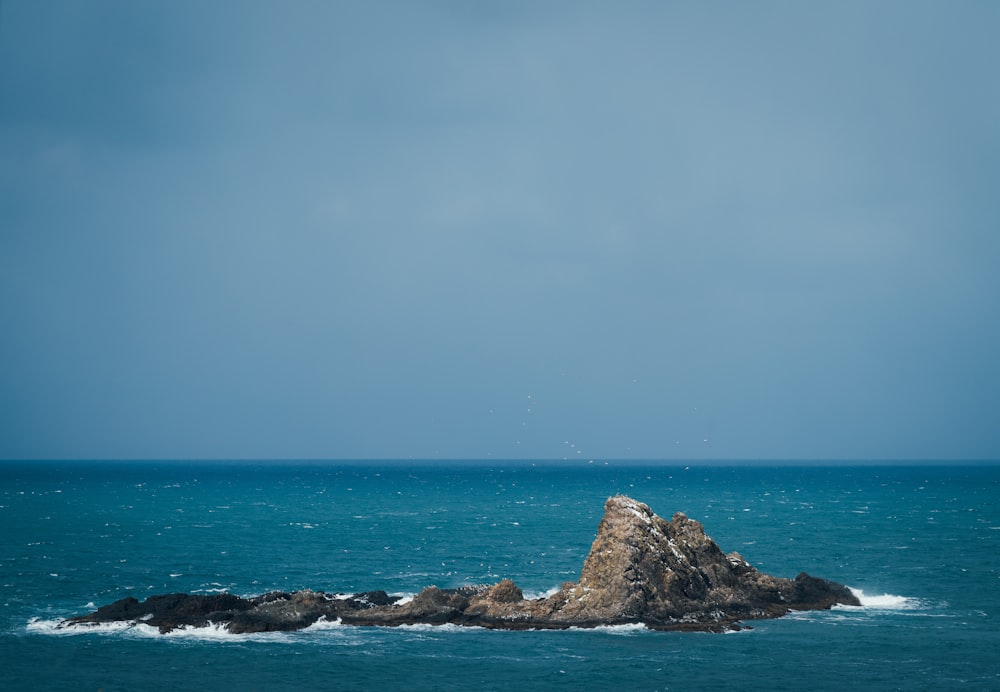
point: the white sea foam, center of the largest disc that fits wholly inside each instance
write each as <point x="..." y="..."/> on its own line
<point x="533" y="595"/>
<point x="629" y="629"/>
<point x="40" y="626"/>
<point x="884" y="601"/>
<point x="217" y="632"/>
<point x="446" y="627"/>
<point x="212" y="632"/>
<point x="132" y="628"/>
<point x="323" y="624"/>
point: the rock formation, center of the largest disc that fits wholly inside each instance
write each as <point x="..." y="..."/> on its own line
<point x="641" y="568"/>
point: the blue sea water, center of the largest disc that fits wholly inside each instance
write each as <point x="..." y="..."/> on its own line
<point x="922" y="544"/>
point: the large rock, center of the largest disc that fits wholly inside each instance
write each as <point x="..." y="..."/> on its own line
<point x="640" y="569"/>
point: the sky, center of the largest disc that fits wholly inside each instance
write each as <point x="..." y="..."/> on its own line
<point x="546" y="229"/>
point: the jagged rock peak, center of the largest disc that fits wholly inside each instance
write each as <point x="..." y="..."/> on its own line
<point x="630" y="533"/>
<point x="621" y="510"/>
<point x="642" y="566"/>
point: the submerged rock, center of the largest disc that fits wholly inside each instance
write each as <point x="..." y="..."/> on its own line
<point x="641" y="569"/>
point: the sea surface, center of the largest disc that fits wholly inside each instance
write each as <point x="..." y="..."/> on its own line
<point x="921" y="544"/>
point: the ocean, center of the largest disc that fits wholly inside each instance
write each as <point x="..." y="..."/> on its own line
<point x="921" y="544"/>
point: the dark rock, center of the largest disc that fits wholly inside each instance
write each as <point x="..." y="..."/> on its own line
<point x="640" y="569"/>
<point x="370" y="599"/>
<point x="169" y="611"/>
<point x="813" y="593"/>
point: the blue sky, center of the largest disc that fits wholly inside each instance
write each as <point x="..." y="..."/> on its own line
<point x="499" y="229"/>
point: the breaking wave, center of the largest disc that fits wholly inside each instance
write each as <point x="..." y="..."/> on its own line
<point x="139" y="630"/>
<point x="884" y="601"/>
<point x="626" y="630"/>
<point x="40" y="626"/>
<point x="534" y="595"/>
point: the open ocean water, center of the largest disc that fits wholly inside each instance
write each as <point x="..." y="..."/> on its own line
<point x="921" y="542"/>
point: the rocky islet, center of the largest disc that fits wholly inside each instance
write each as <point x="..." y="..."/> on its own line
<point x="641" y="569"/>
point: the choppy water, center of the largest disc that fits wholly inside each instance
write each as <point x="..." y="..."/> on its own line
<point x="921" y="543"/>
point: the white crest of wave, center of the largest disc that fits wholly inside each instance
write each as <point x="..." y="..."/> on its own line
<point x="213" y="631"/>
<point x="629" y="629"/>
<point x="445" y="627"/>
<point x="324" y="624"/>
<point x="534" y="595"/>
<point x="131" y="628"/>
<point x="39" y="626"/>
<point x="885" y="601"/>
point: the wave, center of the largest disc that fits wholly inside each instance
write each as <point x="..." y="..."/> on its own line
<point x="444" y="627"/>
<point x="211" y="632"/>
<point x="534" y="595"/>
<point x="40" y="626"/>
<point x="129" y="627"/>
<point x="885" y="601"/>
<point x="323" y="624"/>
<point x="621" y="630"/>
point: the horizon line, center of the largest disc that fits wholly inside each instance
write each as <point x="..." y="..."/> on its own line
<point x="719" y="461"/>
